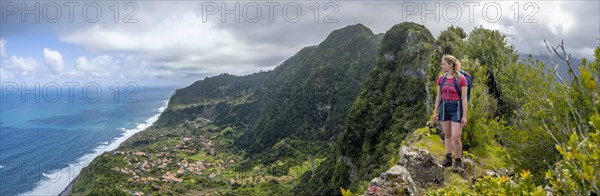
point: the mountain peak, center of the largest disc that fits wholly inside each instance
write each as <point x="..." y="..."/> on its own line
<point x="348" y="32"/>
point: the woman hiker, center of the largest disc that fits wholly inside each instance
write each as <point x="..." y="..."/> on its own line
<point x="451" y="109"/>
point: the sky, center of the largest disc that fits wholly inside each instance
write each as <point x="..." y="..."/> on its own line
<point x="174" y="43"/>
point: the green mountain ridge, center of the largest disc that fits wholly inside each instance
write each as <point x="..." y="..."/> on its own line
<point x="386" y="110"/>
<point x="324" y="78"/>
<point x="333" y="116"/>
<point x="320" y="91"/>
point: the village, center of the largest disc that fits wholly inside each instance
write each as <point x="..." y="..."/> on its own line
<point x="170" y="163"/>
<point x="193" y="156"/>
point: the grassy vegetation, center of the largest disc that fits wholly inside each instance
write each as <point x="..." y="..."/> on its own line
<point x="487" y="157"/>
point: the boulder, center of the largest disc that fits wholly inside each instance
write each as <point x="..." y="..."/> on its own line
<point x="395" y="181"/>
<point x="415" y="169"/>
<point x="422" y="166"/>
<point x="468" y="170"/>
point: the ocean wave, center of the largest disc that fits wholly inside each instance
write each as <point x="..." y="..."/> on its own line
<point x="56" y="181"/>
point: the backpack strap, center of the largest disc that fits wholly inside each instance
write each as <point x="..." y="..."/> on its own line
<point x="456" y="79"/>
<point x="443" y="81"/>
<point x="456" y="85"/>
<point x="442" y="105"/>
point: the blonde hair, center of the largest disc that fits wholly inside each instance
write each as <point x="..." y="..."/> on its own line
<point x="454" y="61"/>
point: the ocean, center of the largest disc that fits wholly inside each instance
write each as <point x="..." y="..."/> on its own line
<point x="48" y="135"/>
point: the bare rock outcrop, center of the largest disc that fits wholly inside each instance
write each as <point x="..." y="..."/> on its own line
<point x="415" y="169"/>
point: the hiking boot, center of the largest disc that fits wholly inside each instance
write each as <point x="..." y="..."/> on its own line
<point x="448" y="161"/>
<point x="458" y="165"/>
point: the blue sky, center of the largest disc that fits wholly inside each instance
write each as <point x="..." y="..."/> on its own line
<point x="176" y="43"/>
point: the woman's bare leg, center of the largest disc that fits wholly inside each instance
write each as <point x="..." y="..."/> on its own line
<point x="456" y="143"/>
<point x="447" y="136"/>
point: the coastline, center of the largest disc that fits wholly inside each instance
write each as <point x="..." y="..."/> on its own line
<point x="142" y="126"/>
<point x="67" y="189"/>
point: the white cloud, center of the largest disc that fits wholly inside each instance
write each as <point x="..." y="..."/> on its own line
<point x="557" y="17"/>
<point x="183" y="35"/>
<point x="180" y="43"/>
<point x="174" y="41"/>
<point x="98" y="67"/>
<point x="554" y="22"/>
<point x="14" y="66"/>
<point x="54" y="60"/>
<point x="2" y="48"/>
<point x="5" y="75"/>
<point x="24" y="65"/>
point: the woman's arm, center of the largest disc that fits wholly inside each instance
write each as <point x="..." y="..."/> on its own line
<point x="464" y="91"/>
<point x="437" y="105"/>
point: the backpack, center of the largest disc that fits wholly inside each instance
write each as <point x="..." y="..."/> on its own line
<point x="469" y="83"/>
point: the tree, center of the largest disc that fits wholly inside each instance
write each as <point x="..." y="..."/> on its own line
<point x="450" y="39"/>
<point x="489" y="47"/>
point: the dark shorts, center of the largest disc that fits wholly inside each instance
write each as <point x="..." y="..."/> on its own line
<point x="450" y="111"/>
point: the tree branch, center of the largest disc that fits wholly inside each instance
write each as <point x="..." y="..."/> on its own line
<point x="555" y="75"/>
<point x="565" y="57"/>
